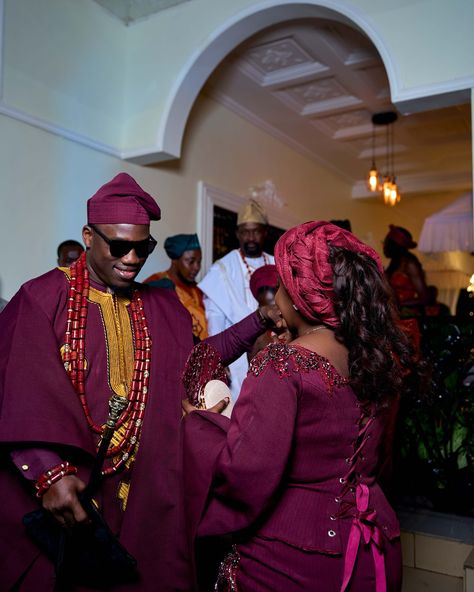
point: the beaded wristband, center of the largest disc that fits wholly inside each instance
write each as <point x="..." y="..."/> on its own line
<point x="53" y="476"/>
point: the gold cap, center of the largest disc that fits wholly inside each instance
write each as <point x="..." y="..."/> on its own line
<point x="252" y="211"/>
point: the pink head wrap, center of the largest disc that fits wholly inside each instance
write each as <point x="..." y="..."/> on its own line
<point x="302" y="261"/>
<point x="122" y="201"/>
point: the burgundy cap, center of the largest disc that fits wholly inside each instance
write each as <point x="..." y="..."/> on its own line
<point x="263" y="276"/>
<point x="122" y="201"/>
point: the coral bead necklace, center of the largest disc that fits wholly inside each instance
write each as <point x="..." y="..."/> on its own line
<point x="250" y="269"/>
<point x="75" y="364"/>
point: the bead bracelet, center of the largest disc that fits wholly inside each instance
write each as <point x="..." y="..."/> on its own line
<point x="53" y="476"/>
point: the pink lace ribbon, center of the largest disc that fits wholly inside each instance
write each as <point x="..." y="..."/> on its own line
<point x="364" y="526"/>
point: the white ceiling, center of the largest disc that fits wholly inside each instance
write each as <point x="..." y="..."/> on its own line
<point x="315" y="86"/>
<point x="131" y="10"/>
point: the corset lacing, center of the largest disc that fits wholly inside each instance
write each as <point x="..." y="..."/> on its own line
<point x="354" y="501"/>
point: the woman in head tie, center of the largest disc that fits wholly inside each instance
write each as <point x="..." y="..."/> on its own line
<point x="405" y="272"/>
<point x="293" y="476"/>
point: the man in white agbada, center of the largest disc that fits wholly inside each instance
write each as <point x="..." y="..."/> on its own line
<point x="227" y="295"/>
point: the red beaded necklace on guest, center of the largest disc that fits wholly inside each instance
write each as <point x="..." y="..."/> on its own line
<point x="249" y="269"/>
<point x="75" y="363"/>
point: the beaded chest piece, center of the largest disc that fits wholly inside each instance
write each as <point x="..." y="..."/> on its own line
<point x="288" y="358"/>
<point x="129" y="425"/>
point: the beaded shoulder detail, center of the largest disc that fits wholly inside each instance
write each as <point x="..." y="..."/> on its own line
<point x="204" y="364"/>
<point x="287" y="359"/>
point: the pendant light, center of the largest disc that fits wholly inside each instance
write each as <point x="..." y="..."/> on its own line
<point x="384" y="183"/>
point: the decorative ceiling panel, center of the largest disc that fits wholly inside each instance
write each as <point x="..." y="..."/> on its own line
<point x="280" y="62"/>
<point x="316" y="84"/>
<point x="318" y="97"/>
<point x="318" y="90"/>
<point x="358" y="118"/>
<point x="278" y="55"/>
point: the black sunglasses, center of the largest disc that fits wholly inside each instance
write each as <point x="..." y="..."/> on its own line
<point x="120" y="248"/>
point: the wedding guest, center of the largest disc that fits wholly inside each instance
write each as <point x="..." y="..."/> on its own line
<point x="226" y="286"/>
<point x="405" y="272"/>
<point x="184" y="250"/>
<point x="68" y="252"/>
<point x="264" y="285"/>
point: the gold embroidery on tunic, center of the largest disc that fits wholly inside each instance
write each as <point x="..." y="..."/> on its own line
<point x="122" y="494"/>
<point x="120" y="358"/>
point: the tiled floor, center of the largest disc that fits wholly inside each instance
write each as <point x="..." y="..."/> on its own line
<point x="433" y="564"/>
<point x="419" y="580"/>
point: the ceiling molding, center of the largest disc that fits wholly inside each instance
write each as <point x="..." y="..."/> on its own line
<point x="58" y="130"/>
<point x="301" y="73"/>
<point x="238" y="109"/>
<point x="434" y="96"/>
<point x="230" y="34"/>
<point x="130" y="11"/>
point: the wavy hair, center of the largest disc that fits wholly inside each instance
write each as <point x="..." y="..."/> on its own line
<point x="380" y="354"/>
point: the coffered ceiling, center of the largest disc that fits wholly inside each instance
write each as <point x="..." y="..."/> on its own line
<point x="316" y="84"/>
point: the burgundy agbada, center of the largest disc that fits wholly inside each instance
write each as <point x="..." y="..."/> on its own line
<point x="42" y="419"/>
<point x="40" y="408"/>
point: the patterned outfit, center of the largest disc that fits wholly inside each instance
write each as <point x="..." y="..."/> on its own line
<point x="293" y="477"/>
<point x="43" y="421"/>
<point x="191" y="297"/>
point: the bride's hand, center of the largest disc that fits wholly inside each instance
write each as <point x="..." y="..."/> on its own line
<point x="217" y="408"/>
<point x="187" y="407"/>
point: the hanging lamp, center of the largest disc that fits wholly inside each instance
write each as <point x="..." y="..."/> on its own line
<point x="385" y="183"/>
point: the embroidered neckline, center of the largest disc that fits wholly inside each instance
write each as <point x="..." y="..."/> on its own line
<point x="279" y="355"/>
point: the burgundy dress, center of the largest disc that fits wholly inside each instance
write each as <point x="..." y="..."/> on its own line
<point x="41" y="419"/>
<point x="293" y="477"/>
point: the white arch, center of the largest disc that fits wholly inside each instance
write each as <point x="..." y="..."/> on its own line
<point x="229" y="35"/>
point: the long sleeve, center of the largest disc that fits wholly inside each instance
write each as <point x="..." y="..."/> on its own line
<point x="37" y="401"/>
<point x="246" y="464"/>
<point x="33" y="462"/>
<point x="238" y="339"/>
<point x="216" y="319"/>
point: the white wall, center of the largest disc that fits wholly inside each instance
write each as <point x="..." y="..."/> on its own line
<point x="426" y="47"/>
<point x="70" y="68"/>
<point x="45" y="182"/>
<point x="128" y="90"/>
<point x="63" y="63"/>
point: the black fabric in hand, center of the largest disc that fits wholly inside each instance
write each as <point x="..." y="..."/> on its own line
<point x="88" y="554"/>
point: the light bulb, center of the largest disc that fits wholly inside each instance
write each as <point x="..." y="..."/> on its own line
<point x="373" y="179"/>
<point x="393" y="195"/>
<point x="387" y="189"/>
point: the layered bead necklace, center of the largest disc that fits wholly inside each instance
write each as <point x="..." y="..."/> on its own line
<point x="75" y="363"/>
<point x="250" y="270"/>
